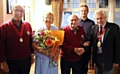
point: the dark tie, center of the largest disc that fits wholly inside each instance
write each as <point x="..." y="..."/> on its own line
<point x="101" y="30"/>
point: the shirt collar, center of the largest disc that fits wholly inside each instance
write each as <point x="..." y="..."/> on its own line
<point x="103" y="25"/>
<point x="83" y="20"/>
<point x="45" y="27"/>
<point x="18" y="27"/>
<point x="14" y="21"/>
<point x="74" y="29"/>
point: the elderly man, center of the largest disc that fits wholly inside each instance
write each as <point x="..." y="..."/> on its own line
<point x="15" y="43"/>
<point x="105" y="38"/>
<point x="72" y="47"/>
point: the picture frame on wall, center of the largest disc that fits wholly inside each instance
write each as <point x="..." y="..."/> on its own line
<point x="10" y="3"/>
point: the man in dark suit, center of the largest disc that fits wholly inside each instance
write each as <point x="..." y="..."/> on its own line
<point x="105" y="39"/>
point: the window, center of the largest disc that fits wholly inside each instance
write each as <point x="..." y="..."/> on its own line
<point x="117" y="3"/>
<point x="90" y="15"/>
<point x="117" y="13"/>
<point x="103" y="3"/>
<point x="64" y="18"/>
<point x="65" y="3"/>
<point x="117" y="18"/>
<point x="74" y="3"/>
<point x="91" y="3"/>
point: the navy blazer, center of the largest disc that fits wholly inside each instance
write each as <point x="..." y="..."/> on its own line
<point x="110" y="45"/>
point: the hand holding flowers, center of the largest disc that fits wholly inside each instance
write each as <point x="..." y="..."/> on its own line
<point x="49" y="40"/>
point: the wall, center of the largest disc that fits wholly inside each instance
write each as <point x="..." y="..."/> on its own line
<point x="3" y="14"/>
<point x="37" y="9"/>
<point x="1" y="9"/>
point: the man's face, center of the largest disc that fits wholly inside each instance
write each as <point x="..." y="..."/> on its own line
<point x="100" y="19"/>
<point x="83" y="11"/>
<point x="73" y="21"/>
<point x="18" y="13"/>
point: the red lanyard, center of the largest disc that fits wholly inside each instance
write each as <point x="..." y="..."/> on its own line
<point x="19" y="33"/>
<point x="100" y="35"/>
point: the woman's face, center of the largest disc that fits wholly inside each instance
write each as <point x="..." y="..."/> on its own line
<point x="48" y="19"/>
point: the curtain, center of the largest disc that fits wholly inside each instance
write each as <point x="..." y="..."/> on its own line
<point x="57" y="9"/>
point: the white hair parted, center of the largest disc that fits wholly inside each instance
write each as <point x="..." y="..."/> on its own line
<point x="99" y="11"/>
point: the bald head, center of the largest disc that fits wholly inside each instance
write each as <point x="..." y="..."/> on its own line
<point x="16" y="6"/>
<point x="17" y="12"/>
<point x="71" y="16"/>
<point x="73" y="21"/>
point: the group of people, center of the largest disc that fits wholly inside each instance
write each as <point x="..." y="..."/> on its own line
<point x="81" y="36"/>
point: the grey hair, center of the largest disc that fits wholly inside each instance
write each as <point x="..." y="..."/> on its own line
<point x="17" y="4"/>
<point x="72" y="16"/>
<point x="99" y="12"/>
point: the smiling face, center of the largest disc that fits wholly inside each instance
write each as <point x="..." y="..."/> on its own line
<point x="17" y="12"/>
<point x="100" y="18"/>
<point x="73" y="21"/>
<point x="48" y="19"/>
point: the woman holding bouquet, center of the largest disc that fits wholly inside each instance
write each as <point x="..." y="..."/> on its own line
<point x="43" y="56"/>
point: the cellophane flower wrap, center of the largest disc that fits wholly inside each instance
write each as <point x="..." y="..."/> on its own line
<point x="49" y="40"/>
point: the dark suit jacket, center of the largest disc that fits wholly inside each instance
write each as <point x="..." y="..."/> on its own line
<point x="110" y="45"/>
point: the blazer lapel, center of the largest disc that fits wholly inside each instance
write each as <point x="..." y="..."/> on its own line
<point x="106" y="32"/>
<point x="96" y="31"/>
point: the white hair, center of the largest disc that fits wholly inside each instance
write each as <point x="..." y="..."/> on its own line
<point x="99" y="12"/>
<point x="17" y="4"/>
<point x="72" y="16"/>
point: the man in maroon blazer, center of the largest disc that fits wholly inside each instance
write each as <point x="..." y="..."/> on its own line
<point x="72" y="47"/>
<point x="15" y="43"/>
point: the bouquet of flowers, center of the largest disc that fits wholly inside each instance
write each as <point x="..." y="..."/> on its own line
<point x="48" y="40"/>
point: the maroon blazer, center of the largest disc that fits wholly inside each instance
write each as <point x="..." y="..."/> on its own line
<point x="10" y="46"/>
<point x="71" y="41"/>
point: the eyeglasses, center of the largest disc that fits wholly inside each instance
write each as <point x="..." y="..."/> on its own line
<point x="19" y="11"/>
